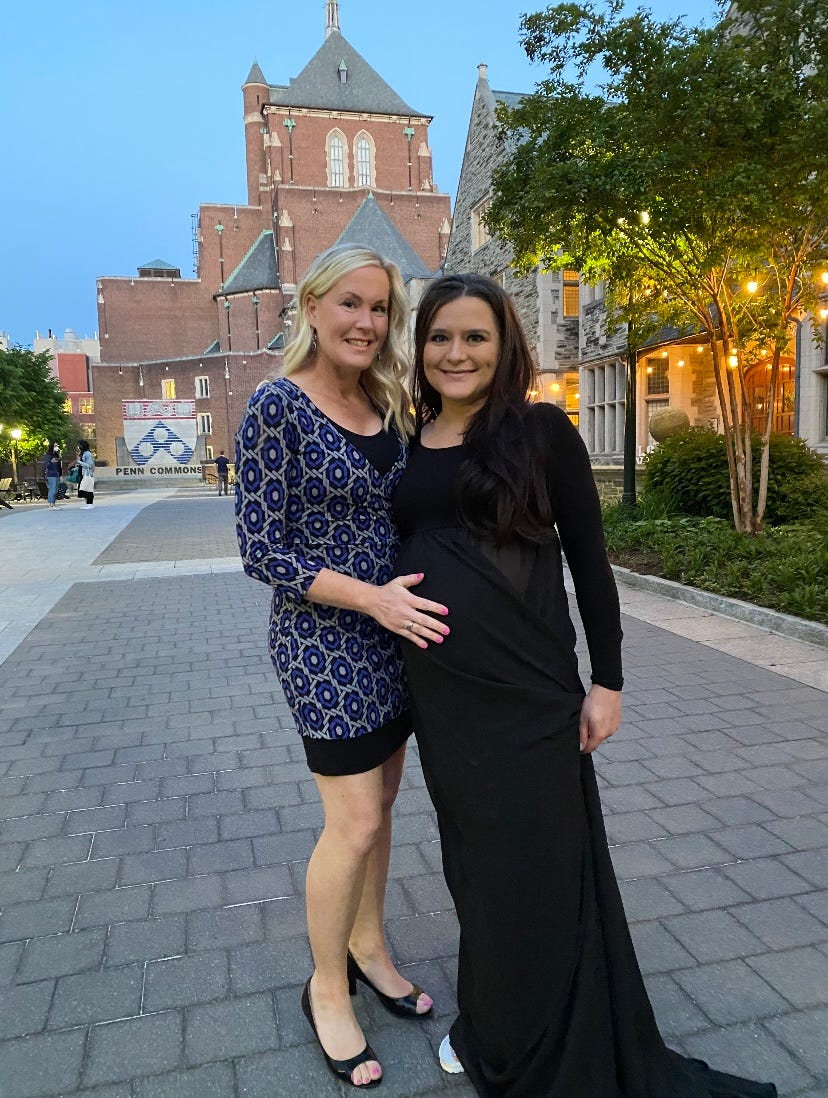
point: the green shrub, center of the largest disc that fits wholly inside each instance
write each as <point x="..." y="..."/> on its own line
<point x="688" y="474"/>
<point x="784" y="567"/>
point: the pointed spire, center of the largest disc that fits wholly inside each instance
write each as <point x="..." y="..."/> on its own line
<point x="255" y="76"/>
<point x="331" y="17"/>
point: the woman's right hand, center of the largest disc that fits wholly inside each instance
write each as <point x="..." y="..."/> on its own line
<point x="399" y="610"/>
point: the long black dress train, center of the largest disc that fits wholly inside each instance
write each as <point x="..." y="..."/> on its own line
<point x="551" y="999"/>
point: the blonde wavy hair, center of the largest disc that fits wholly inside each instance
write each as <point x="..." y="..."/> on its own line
<point x="384" y="380"/>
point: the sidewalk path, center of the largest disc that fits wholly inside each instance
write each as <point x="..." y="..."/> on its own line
<point x="156" y="817"/>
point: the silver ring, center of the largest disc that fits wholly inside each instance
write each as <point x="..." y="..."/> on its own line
<point x="410" y="627"/>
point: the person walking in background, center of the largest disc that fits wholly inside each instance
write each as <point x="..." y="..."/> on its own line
<point x="86" y="461"/>
<point x="318" y="454"/>
<point x="53" y="471"/>
<point x="222" y="472"/>
<point x="551" y="1000"/>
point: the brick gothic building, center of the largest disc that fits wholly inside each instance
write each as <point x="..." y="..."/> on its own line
<point x="334" y="155"/>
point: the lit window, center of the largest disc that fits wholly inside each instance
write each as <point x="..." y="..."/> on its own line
<point x="168" y="388"/>
<point x="202" y="387"/>
<point x="67" y="406"/>
<point x="570" y="293"/>
<point x="205" y="423"/>
<point x="480" y="234"/>
<point x="86" y="406"/>
<point x="658" y="380"/>
<point x="363" y="161"/>
<point x="336" y="161"/>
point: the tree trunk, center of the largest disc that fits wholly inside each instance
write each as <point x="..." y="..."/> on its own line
<point x="764" y="461"/>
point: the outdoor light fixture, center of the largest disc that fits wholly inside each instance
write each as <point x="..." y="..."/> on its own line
<point x="733" y="361"/>
<point x="752" y="286"/>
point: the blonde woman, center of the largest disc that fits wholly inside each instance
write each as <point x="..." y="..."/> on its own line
<point x="319" y="453"/>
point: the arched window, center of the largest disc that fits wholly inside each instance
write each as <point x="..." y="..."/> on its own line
<point x="364" y="160"/>
<point x="336" y="160"/>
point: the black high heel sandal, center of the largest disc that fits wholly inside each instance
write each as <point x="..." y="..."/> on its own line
<point x="404" y="1007"/>
<point x="340" y="1069"/>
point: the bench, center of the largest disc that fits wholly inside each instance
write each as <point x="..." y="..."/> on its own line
<point x="5" y="492"/>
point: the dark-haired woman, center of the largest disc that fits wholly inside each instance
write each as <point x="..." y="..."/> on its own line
<point x="551" y="1001"/>
<point x="86" y="461"/>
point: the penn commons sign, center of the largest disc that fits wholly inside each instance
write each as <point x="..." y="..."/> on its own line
<point x="158" y="470"/>
<point x="160" y="435"/>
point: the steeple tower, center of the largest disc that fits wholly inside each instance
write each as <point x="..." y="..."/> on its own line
<point x="331" y="17"/>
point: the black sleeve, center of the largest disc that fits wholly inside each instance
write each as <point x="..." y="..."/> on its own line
<point x="578" y="519"/>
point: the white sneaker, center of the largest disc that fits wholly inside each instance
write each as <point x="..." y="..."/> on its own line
<point x="448" y="1058"/>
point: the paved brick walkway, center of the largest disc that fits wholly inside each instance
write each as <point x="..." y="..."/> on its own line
<point x="157" y="816"/>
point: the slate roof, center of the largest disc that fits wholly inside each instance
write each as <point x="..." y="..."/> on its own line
<point x="213" y="349"/>
<point x="255" y="76"/>
<point x="318" y="84"/>
<point x="371" y="227"/>
<point x="258" y="270"/>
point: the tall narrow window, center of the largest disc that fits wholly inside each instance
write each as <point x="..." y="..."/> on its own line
<point x="480" y="233"/>
<point x="204" y="423"/>
<point x="336" y="161"/>
<point x="570" y="293"/>
<point x="202" y="387"/>
<point x="168" y="388"/>
<point x="363" y="158"/>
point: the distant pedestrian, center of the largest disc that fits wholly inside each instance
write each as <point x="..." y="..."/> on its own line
<point x="86" y="461"/>
<point x="223" y="471"/>
<point x="53" y="472"/>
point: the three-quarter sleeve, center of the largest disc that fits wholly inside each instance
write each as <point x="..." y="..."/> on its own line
<point x="269" y="483"/>
<point x="578" y="519"/>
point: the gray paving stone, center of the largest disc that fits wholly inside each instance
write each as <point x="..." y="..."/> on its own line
<point x="234" y="1028"/>
<point x="425" y="937"/>
<point x="284" y="918"/>
<point x="766" y="878"/>
<point x="224" y="928"/>
<point x="186" y="833"/>
<point x="214" y="804"/>
<point x="800" y="975"/>
<point x="10" y="954"/>
<point x="23" y="1009"/>
<point x="192" y="894"/>
<point x="301" y="1071"/>
<point x="29" y="920"/>
<point x="49" y="852"/>
<point x="781" y="923"/>
<point x="801" y="834"/>
<point x="812" y="865"/>
<point x="267" y="883"/>
<point x="32" y="827"/>
<point x="713" y="936"/>
<point x="750" y="1051"/>
<point x="730" y="992"/>
<point x="648" y="899"/>
<point x="188" y="785"/>
<point x="132" y="1048"/>
<point x="114" y="906"/>
<point x="21" y="885"/>
<point x="210" y="1081"/>
<point x="41" y="1065"/>
<point x="146" y="940"/>
<point x="144" y="812"/>
<point x="803" y="1034"/>
<point x="96" y="997"/>
<point x="269" y="965"/>
<point x="816" y="903"/>
<point x="220" y="856"/>
<point x="61" y="955"/>
<point x="78" y="877"/>
<point x="183" y="981"/>
<point x="95" y="819"/>
<point x="750" y="841"/>
<point x="64" y="800"/>
<point x="676" y="1013"/>
<point x="634" y="860"/>
<point x="693" y="851"/>
<point x="126" y="840"/>
<point x="705" y="889"/>
<point x="272" y="849"/>
<point x="163" y="865"/>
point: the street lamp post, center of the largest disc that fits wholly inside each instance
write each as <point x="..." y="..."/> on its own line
<point x="16" y="434"/>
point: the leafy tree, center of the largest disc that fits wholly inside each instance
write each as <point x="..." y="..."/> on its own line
<point x="30" y="398"/>
<point x="696" y="167"/>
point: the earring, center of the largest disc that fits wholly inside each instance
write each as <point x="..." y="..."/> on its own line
<point x="314" y="342"/>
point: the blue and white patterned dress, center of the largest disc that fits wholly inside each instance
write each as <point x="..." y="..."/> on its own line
<point x="307" y="499"/>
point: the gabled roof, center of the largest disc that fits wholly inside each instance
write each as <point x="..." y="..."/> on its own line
<point x="319" y="86"/>
<point x="374" y="229"/>
<point x="258" y="270"/>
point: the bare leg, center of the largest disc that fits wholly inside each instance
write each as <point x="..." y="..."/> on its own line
<point x="335" y="882"/>
<point x="367" y="942"/>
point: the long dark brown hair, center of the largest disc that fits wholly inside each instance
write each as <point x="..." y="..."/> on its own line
<point x="503" y="486"/>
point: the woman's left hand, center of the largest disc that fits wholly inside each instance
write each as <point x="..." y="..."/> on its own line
<point x="600" y="717"/>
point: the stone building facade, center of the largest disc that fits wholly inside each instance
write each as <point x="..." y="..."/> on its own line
<point x="547" y="302"/>
<point x="335" y="154"/>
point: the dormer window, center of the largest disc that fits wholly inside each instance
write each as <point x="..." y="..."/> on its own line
<point x="343" y="72"/>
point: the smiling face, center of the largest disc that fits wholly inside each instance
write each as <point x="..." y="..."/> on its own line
<point x="461" y="353"/>
<point x="351" y="320"/>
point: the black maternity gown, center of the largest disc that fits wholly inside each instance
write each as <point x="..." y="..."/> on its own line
<point x="551" y="1000"/>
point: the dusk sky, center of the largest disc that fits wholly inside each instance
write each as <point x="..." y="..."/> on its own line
<point x="119" y="117"/>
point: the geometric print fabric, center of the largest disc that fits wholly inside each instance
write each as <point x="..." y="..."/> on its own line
<point x="307" y="499"/>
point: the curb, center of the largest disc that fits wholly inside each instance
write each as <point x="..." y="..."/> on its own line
<point x="798" y="628"/>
